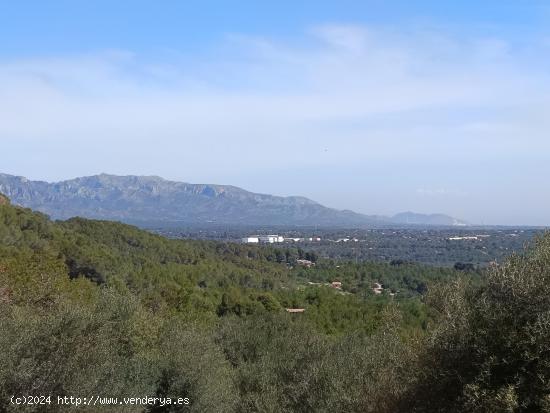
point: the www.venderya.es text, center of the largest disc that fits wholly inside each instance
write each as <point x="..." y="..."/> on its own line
<point x="95" y="400"/>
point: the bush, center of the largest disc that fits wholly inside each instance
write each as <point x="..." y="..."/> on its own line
<point x="490" y="350"/>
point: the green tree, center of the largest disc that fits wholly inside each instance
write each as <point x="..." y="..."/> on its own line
<point x="490" y="350"/>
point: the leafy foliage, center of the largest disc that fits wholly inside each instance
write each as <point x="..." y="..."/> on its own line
<point x="490" y="350"/>
<point x="92" y="307"/>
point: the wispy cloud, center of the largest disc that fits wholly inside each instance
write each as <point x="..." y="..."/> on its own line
<point x="340" y="74"/>
<point x="339" y="95"/>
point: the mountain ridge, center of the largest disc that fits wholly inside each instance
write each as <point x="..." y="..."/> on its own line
<point x="413" y="218"/>
<point x="134" y="198"/>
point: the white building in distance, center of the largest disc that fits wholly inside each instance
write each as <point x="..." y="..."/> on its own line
<point x="264" y="239"/>
<point x="250" y="240"/>
<point x="270" y="239"/>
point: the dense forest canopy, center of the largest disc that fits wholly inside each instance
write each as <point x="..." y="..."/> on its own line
<point x="95" y="307"/>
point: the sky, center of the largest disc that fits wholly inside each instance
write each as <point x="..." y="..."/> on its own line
<point x="375" y="106"/>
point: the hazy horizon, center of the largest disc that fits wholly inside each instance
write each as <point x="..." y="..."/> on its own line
<point x="377" y="108"/>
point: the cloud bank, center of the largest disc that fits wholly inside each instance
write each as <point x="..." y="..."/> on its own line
<point x="376" y="111"/>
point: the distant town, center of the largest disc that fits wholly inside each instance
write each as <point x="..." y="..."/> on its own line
<point x="272" y="239"/>
<point x="439" y="246"/>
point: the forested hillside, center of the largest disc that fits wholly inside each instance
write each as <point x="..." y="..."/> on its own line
<point x="101" y="308"/>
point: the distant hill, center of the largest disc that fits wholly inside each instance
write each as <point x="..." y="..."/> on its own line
<point x="412" y="218"/>
<point x="144" y="199"/>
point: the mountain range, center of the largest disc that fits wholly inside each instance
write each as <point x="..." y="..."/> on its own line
<point x="146" y="199"/>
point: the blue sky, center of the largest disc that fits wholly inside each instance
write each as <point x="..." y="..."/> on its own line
<point x="375" y="106"/>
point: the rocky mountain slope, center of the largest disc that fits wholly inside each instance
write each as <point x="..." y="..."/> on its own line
<point x="142" y="199"/>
